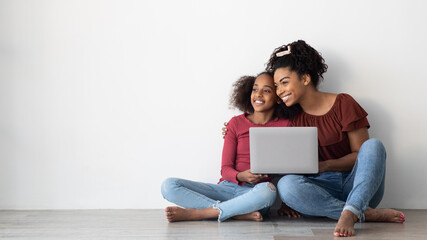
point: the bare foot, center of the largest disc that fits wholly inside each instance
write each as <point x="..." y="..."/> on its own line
<point x="253" y="216"/>
<point x="175" y="214"/>
<point x="345" y="225"/>
<point x="384" y="215"/>
<point x="286" y="210"/>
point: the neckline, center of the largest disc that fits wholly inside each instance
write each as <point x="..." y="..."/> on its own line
<point x="246" y="114"/>
<point x="327" y="113"/>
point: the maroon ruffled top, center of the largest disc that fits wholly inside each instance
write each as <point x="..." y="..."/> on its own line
<point x="345" y="115"/>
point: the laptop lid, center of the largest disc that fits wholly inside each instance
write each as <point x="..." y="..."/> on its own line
<point x="283" y="150"/>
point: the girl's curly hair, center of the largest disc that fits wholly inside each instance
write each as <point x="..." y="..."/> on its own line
<point x="241" y="98"/>
<point x="303" y="59"/>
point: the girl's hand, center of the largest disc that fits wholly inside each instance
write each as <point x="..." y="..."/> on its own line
<point x="224" y="130"/>
<point x="247" y="176"/>
<point x="285" y="210"/>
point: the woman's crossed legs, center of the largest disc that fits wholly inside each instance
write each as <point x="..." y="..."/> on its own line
<point x="347" y="197"/>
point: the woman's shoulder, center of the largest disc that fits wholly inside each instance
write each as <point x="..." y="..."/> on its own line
<point x="349" y="108"/>
<point x="345" y="97"/>
<point x="346" y="101"/>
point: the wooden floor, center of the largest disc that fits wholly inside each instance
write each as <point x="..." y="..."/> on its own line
<point x="151" y="224"/>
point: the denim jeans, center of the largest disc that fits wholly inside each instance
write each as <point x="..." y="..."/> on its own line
<point x="330" y="193"/>
<point x="229" y="198"/>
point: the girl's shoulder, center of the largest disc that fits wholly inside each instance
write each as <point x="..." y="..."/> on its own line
<point x="282" y="122"/>
<point x="236" y="120"/>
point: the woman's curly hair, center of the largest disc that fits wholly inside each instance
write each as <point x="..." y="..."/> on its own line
<point x="241" y="98"/>
<point x="303" y="59"/>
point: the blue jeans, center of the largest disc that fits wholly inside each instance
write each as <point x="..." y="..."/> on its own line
<point x="229" y="198"/>
<point x="330" y="193"/>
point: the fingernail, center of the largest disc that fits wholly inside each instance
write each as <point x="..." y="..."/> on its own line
<point x="402" y="216"/>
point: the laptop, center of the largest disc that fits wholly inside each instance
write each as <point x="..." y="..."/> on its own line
<point x="283" y="150"/>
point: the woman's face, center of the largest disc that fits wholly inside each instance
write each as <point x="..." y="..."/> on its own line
<point x="263" y="97"/>
<point x="289" y="86"/>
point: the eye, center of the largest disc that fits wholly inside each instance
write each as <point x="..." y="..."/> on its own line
<point x="254" y="89"/>
<point x="267" y="91"/>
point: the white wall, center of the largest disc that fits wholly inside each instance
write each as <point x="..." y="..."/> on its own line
<point x="102" y="100"/>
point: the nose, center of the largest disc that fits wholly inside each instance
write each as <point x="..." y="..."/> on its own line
<point x="279" y="90"/>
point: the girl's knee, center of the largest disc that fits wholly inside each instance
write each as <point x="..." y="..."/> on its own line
<point x="168" y="187"/>
<point x="267" y="191"/>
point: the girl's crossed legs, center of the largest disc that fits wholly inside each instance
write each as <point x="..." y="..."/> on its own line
<point x="223" y="200"/>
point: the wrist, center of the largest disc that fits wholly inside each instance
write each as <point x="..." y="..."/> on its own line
<point x="238" y="177"/>
<point x="324" y="166"/>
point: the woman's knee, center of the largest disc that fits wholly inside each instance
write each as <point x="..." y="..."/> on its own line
<point x="289" y="182"/>
<point x="374" y="144"/>
<point x="289" y="185"/>
<point x="375" y="149"/>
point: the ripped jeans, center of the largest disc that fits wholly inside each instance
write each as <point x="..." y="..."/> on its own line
<point x="228" y="197"/>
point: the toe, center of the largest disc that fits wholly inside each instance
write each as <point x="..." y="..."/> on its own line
<point x="337" y="233"/>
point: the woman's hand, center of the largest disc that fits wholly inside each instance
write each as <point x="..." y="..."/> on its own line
<point x="247" y="176"/>
<point x="285" y="210"/>
<point x="323" y="166"/>
<point x="224" y="130"/>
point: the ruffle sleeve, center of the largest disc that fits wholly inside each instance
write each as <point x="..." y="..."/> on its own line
<point x="344" y="116"/>
<point x="353" y="116"/>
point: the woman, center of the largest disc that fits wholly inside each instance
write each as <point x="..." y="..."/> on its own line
<point x="239" y="194"/>
<point x="350" y="183"/>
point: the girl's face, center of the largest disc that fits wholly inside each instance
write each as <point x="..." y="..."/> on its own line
<point x="290" y="87"/>
<point x="263" y="97"/>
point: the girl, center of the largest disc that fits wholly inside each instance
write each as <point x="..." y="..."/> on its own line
<point x="350" y="183"/>
<point x="239" y="194"/>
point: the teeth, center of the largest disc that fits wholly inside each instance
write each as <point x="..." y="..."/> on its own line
<point x="256" y="101"/>
<point x="285" y="98"/>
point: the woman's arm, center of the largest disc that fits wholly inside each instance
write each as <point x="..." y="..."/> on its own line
<point x="346" y="163"/>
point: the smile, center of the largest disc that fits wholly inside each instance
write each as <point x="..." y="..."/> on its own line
<point x="285" y="98"/>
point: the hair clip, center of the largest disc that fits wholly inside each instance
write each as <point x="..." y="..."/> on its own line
<point x="283" y="53"/>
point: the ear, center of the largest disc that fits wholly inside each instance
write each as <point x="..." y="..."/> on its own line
<point x="306" y="79"/>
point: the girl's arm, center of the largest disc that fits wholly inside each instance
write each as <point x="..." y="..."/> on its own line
<point x="229" y="153"/>
<point x="346" y="163"/>
<point x="228" y="165"/>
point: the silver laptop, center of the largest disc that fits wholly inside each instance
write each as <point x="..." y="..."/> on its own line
<point x="283" y="150"/>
